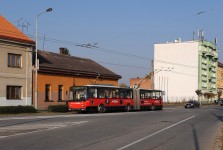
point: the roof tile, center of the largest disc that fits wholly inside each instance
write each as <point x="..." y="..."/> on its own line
<point x="9" y="31"/>
<point x="56" y="61"/>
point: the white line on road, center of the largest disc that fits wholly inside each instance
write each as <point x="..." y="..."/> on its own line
<point x="148" y="136"/>
<point x="63" y="116"/>
<point x="50" y="127"/>
<point x="70" y="116"/>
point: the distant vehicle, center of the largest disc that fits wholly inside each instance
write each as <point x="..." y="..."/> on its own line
<point x="192" y="104"/>
<point x="220" y="101"/>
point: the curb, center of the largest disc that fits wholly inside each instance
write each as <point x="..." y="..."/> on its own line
<point x="219" y="140"/>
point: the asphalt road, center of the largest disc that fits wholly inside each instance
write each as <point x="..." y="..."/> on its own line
<point x="169" y="129"/>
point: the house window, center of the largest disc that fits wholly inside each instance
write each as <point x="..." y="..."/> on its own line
<point x="47" y="92"/>
<point x="14" y="60"/>
<point x="14" y="92"/>
<point x="60" y="91"/>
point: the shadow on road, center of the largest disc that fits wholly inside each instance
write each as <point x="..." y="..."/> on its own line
<point x="195" y="137"/>
<point x="218" y="117"/>
<point x="25" y="122"/>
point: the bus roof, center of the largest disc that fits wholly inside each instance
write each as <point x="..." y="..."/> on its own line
<point x="156" y="90"/>
<point x="104" y="86"/>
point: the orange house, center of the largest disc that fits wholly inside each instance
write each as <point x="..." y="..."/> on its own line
<point x="220" y="79"/>
<point x="59" y="72"/>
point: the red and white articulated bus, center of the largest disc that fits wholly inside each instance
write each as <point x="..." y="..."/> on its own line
<point x="103" y="98"/>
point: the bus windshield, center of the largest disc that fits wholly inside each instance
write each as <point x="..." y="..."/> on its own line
<point x="158" y="94"/>
<point x="79" y="93"/>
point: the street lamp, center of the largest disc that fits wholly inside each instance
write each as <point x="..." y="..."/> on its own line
<point x="36" y="61"/>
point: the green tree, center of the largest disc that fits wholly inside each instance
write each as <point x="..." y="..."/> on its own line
<point x="219" y="94"/>
<point x="66" y="51"/>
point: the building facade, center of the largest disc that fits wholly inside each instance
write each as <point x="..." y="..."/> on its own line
<point x="59" y="72"/>
<point x="16" y="66"/>
<point x="185" y="67"/>
<point x="144" y="83"/>
<point x="220" y="79"/>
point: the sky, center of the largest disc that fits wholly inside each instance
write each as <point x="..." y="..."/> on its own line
<point x="121" y="33"/>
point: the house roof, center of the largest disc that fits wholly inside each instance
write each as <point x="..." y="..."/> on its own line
<point x="54" y="63"/>
<point x="10" y="32"/>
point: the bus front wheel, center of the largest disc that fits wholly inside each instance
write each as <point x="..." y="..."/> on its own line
<point x="101" y="108"/>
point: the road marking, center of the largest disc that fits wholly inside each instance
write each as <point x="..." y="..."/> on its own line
<point x="70" y="116"/>
<point x="63" y="116"/>
<point x="39" y="128"/>
<point x="148" y="136"/>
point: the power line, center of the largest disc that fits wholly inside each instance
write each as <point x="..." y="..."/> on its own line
<point x="117" y="52"/>
<point x="95" y="47"/>
<point x="125" y="65"/>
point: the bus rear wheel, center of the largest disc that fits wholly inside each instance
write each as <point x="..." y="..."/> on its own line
<point x="101" y="108"/>
<point x="152" y="107"/>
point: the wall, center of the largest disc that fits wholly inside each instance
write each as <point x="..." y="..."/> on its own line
<point x="176" y="70"/>
<point x="146" y="84"/>
<point x="15" y="76"/>
<point x="67" y="82"/>
<point x="220" y="78"/>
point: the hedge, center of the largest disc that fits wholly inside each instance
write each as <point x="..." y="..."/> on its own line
<point x="57" y="108"/>
<point x="17" y="109"/>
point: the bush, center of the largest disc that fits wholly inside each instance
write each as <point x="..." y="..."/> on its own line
<point x="17" y="109"/>
<point x="58" y="108"/>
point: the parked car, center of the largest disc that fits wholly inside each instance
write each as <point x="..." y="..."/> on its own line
<point x="220" y="101"/>
<point x="192" y="104"/>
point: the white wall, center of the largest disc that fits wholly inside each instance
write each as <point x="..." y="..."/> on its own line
<point x="25" y="101"/>
<point x="16" y="76"/>
<point x="181" y="59"/>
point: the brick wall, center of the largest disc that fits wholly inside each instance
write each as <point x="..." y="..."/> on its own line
<point x="146" y="84"/>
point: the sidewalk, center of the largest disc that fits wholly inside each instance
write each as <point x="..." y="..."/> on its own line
<point x="219" y="140"/>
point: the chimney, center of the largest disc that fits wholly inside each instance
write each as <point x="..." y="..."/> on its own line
<point x="62" y="50"/>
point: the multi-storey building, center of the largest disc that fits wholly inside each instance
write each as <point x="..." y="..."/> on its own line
<point x="185" y="67"/>
<point x="16" y="66"/>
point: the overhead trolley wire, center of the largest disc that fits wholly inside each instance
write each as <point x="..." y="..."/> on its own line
<point x="95" y="47"/>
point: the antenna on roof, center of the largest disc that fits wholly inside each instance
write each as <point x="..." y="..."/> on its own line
<point x="18" y="22"/>
<point x="44" y="38"/>
<point x="194" y="36"/>
<point x="24" y="24"/>
<point x="215" y="41"/>
<point x="200" y="34"/>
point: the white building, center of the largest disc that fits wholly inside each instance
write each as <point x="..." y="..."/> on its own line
<point x="181" y="68"/>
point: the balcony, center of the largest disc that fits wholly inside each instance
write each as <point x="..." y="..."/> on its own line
<point x="204" y="67"/>
<point x="215" y="58"/>
<point x="204" y="79"/>
<point x="204" y="52"/>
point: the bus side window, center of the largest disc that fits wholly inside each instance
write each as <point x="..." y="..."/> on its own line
<point x="101" y="93"/>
